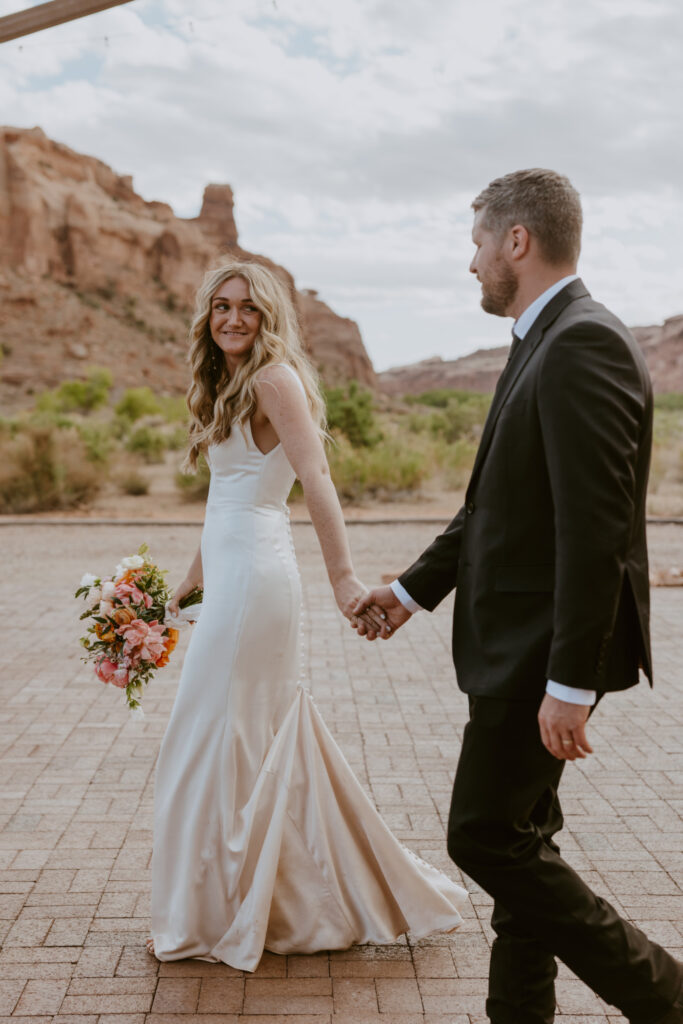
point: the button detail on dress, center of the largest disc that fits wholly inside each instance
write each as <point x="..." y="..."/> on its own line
<point x="469" y="508"/>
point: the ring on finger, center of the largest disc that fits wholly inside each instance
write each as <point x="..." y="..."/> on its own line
<point x="567" y="743"/>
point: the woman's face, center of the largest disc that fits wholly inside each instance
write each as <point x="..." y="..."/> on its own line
<point x="235" y="321"/>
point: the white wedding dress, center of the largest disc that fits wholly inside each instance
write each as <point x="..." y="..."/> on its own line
<point x="263" y="837"/>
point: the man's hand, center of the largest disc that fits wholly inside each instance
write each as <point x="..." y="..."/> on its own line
<point x="348" y="591"/>
<point x="384" y="601"/>
<point x="563" y="728"/>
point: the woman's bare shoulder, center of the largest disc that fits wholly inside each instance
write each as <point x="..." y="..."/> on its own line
<point x="279" y="375"/>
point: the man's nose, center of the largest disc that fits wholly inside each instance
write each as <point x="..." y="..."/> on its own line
<point x="473" y="269"/>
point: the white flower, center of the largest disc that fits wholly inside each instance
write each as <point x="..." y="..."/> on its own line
<point x="106" y="608"/>
<point x="108" y="590"/>
<point x="132" y="562"/>
<point x="118" y="573"/>
<point x="94" y="597"/>
<point x="137" y="714"/>
<point x="88" y="579"/>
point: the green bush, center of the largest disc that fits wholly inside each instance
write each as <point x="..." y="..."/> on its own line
<point x="673" y="401"/>
<point x="136" y="403"/>
<point x="387" y="470"/>
<point x="194" y="486"/>
<point x="461" y="413"/>
<point x="174" y="408"/>
<point x="441" y="397"/>
<point x="133" y="482"/>
<point x="148" y="443"/>
<point x="176" y="439"/>
<point x="98" y="441"/>
<point x="456" y="460"/>
<point x="43" y="468"/>
<point x="350" y="411"/>
<point x="78" y="395"/>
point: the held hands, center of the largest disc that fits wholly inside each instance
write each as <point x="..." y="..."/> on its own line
<point x="186" y="587"/>
<point x="563" y="728"/>
<point x="382" y="605"/>
<point x="349" y="592"/>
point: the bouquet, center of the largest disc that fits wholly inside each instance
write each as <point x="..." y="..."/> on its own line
<point x="128" y="638"/>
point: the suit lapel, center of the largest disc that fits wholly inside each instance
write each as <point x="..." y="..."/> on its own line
<point x="508" y="378"/>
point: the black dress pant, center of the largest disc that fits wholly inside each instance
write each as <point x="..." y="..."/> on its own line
<point x="504" y="814"/>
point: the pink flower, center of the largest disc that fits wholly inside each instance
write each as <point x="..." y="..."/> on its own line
<point x="143" y="639"/>
<point x="128" y="593"/>
<point x="105" y="670"/>
<point x="120" y="678"/>
<point x="148" y="600"/>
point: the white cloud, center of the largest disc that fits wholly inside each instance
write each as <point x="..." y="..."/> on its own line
<point x="355" y="134"/>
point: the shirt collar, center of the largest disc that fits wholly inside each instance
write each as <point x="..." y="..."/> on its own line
<point x="523" y="324"/>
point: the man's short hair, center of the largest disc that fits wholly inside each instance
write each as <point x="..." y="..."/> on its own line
<point x="544" y="202"/>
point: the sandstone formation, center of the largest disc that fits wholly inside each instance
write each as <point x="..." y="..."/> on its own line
<point x="336" y="342"/>
<point x="476" y="372"/>
<point x="92" y="274"/>
<point x="662" y="347"/>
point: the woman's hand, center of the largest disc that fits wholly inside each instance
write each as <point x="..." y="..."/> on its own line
<point x="186" y="587"/>
<point x="348" y="591"/>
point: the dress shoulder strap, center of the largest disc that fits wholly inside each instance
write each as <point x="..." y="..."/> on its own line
<point x="294" y="374"/>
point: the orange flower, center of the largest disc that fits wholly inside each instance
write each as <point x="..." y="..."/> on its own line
<point x="123" y="615"/>
<point x="104" y="631"/>
<point x="162" y="660"/>
<point x="172" y="639"/>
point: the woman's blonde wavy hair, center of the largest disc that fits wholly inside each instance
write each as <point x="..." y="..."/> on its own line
<point x="218" y="401"/>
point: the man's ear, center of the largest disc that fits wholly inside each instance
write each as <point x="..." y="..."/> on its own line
<point x="519" y="241"/>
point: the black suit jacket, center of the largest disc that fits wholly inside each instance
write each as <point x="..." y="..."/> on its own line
<point x="549" y="551"/>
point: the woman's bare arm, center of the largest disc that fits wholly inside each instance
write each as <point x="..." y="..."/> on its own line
<point x="282" y="401"/>
<point x="194" y="578"/>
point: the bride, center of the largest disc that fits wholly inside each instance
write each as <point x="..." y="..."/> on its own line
<point x="263" y="837"/>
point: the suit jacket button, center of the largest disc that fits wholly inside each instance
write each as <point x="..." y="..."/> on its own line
<point x="469" y="508"/>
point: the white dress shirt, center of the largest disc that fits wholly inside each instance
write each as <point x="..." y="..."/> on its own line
<point x="570" y="694"/>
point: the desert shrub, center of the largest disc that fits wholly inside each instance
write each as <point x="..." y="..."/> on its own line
<point x="136" y="403"/>
<point x="460" y="413"/>
<point x="350" y="411"/>
<point x="131" y="481"/>
<point x="173" y="408"/>
<point x="78" y="395"/>
<point x="387" y="470"/>
<point x="98" y="441"/>
<point x="672" y="402"/>
<point x="176" y="439"/>
<point x="43" y="469"/>
<point x="148" y="443"/>
<point x="455" y="460"/>
<point x="194" y="486"/>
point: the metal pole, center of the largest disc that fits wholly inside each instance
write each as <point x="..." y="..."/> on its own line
<point x="56" y="12"/>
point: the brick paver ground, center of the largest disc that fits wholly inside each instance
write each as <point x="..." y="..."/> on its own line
<point x="77" y="785"/>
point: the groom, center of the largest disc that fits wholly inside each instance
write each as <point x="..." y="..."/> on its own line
<point x="548" y="557"/>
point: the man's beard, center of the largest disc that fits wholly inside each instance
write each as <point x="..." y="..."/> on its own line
<point x="499" y="292"/>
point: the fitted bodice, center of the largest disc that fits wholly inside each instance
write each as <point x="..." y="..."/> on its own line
<point x="242" y="475"/>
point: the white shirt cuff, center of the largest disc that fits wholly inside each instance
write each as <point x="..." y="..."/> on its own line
<point x="571" y="694"/>
<point x="404" y="597"/>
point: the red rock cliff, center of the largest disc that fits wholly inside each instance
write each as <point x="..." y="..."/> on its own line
<point x="109" y="278"/>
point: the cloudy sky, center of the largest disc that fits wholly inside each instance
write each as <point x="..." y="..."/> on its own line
<point x="356" y="132"/>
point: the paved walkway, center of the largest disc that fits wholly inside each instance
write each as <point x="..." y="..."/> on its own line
<point x="76" y="800"/>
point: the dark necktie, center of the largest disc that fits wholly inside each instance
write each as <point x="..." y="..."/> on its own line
<point x="516" y="342"/>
